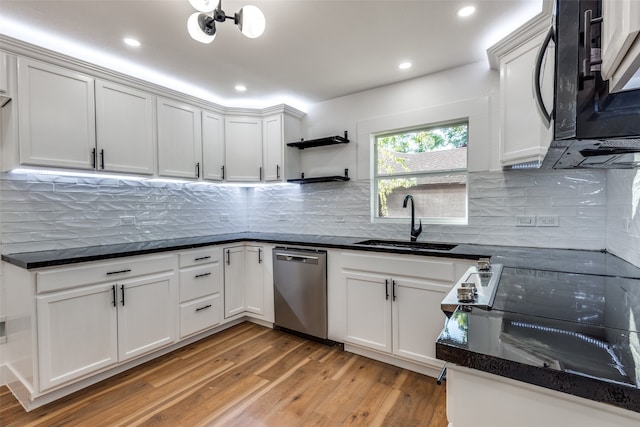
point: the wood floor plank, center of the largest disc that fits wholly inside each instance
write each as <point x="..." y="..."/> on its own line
<point x="247" y="375"/>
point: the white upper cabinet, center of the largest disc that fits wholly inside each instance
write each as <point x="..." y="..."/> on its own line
<point x="212" y="146"/>
<point x="56" y="116"/>
<point x="272" y="134"/>
<point x="620" y="42"/>
<point x="125" y="129"/>
<point x="243" y="149"/>
<point x="524" y="132"/>
<point x="179" y="140"/>
<point x="5" y="88"/>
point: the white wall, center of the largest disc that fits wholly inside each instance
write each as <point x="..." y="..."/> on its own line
<point x="409" y="103"/>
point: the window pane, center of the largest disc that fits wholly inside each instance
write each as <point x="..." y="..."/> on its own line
<point x="435" y="149"/>
<point x="437" y="196"/>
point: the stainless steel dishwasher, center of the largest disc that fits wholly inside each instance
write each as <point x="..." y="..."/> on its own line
<point x="300" y="290"/>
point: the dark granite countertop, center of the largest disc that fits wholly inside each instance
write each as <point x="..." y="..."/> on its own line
<point x="51" y="258"/>
<point x="567" y="331"/>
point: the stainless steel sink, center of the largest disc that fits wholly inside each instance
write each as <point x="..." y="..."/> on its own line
<point x="416" y="246"/>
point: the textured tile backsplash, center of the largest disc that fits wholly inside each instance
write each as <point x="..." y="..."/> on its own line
<point x="623" y="216"/>
<point x="48" y="212"/>
<point x="495" y="199"/>
<point x="41" y="212"/>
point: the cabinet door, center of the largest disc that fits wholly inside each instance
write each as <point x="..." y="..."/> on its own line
<point x="368" y="305"/>
<point x="125" y="129"/>
<point x="4" y="77"/>
<point x="272" y="143"/>
<point x="417" y="319"/>
<point x="234" y="280"/>
<point x="243" y="149"/>
<point x="147" y="314"/>
<point x="212" y="146"/>
<point x="254" y="280"/>
<point x="179" y="140"/>
<point x="56" y="119"/>
<point x="524" y="136"/>
<point x="77" y="333"/>
<point x="620" y="43"/>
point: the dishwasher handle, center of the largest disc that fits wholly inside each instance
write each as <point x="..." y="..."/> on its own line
<point x="283" y="256"/>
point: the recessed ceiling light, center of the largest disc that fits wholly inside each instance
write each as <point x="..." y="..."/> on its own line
<point x="404" y="65"/>
<point x="131" y="42"/>
<point x="466" y="11"/>
<point x="241" y="88"/>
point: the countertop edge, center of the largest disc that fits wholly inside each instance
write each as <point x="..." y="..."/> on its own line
<point x="625" y="397"/>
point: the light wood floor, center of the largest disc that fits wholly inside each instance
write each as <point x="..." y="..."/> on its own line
<point x="247" y="375"/>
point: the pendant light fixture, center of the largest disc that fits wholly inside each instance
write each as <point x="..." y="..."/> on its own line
<point x="202" y="26"/>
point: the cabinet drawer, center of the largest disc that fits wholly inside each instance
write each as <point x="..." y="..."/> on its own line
<point x="196" y="282"/>
<point x="99" y="272"/>
<point x="199" y="315"/>
<point x="427" y="268"/>
<point x="200" y="256"/>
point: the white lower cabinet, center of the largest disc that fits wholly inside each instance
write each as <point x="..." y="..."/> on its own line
<point x="248" y="282"/>
<point x="84" y="329"/>
<point x="391" y="302"/>
<point x="77" y="333"/>
<point x="201" y="278"/>
<point x="234" y="278"/>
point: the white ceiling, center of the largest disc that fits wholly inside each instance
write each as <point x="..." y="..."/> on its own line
<point x="311" y="50"/>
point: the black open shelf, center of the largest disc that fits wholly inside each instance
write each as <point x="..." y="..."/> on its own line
<point x="319" y="179"/>
<point x="319" y="142"/>
<point x="336" y="178"/>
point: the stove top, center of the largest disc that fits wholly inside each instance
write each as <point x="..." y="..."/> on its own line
<point x="476" y="288"/>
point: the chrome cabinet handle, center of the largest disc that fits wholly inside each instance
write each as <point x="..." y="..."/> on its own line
<point x="203" y="308"/>
<point x="546" y="115"/>
<point x="122" y="290"/>
<point x="202" y="258"/>
<point x="198" y="276"/>
<point x="113" y="293"/>
<point x="102" y="159"/>
<point x="93" y="158"/>
<point x="386" y="289"/>
<point x="393" y="289"/>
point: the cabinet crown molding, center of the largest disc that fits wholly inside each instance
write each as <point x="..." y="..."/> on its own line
<point x="539" y="23"/>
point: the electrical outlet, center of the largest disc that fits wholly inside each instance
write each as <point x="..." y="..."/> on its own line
<point x="127" y="220"/>
<point x="547" y="221"/>
<point x="224" y="217"/>
<point x="339" y="218"/>
<point x="525" y="221"/>
<point x="282" y="217"/>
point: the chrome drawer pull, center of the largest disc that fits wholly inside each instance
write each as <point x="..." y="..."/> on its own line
<point x="203" y="308"/>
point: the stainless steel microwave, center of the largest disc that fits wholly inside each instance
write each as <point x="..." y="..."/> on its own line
<point x="593" y="127"/>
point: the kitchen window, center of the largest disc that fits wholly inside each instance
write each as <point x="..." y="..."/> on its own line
<point x="430" y="163"/>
